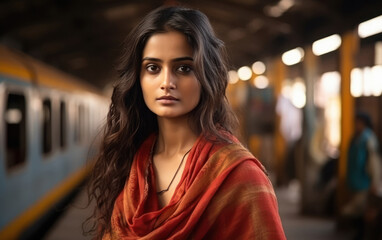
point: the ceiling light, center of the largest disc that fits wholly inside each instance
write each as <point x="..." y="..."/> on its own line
<point x="331" y="82"/>
<point x="367" y="81"/>
<point x="293" y="56"/>
<point x="258" y="67"/>
<point x="376" y="73"/>
<point x="370" y="27"/>
<point x="298" y="94"/>
<point x="326" y="45"/>
<point x="261" y="82"/>
<point x="356" y="86"/>
<point x="244" y="73"/>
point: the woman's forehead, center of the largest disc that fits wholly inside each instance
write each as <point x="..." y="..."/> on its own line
<point x="170" y="44"/>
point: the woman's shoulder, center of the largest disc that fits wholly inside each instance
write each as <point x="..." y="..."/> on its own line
<point x="251" y="169"/>
<point x="247" y="176"/>
<point x="247" y="166"/>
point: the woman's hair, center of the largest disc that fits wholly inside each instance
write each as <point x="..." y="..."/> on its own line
<point x="130" y="122"/>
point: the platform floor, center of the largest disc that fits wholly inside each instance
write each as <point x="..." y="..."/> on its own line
<point x="69" y="226"/>
<point x="299" y="227"/>
<point x="296" y="227"/>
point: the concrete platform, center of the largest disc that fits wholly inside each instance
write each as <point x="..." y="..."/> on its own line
<point x="299" y="227"/>
<point x="69" y="226"/>
<point x="296" y="227"/>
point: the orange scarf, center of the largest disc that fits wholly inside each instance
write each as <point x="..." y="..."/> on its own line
<point x="223" y="194"/>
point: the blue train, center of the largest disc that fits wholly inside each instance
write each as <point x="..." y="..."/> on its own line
<point x="48" y="121"/>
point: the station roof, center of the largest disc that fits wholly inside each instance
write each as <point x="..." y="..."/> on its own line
<point x="84" y="37"/>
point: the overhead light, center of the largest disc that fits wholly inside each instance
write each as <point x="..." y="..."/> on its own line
<point x="326" y="45"/>
<point x="370" y="27"/>
<point x="245" y="73"/>
<point x="293" y="56"/>
<point x="356" y="86"/>
<point x="258" y="67"/>
<point x="327" y="87"/>
<point x="331" y="82"/>
<point x="298" y="94"/>
<point x="377" y="83"/>
<point x="261" y="82"/>
<point x="367" y="82"/>
<point x="233" y="77"/>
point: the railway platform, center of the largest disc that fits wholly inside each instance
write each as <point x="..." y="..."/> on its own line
<point x="69" y="225"/>
<point x="296" y="226"/>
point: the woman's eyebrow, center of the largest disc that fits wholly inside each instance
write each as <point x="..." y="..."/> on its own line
<point x="183" y="59"/>
<point x="173" y="60"/>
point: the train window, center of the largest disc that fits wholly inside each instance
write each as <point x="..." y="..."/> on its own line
<point x="78" y="127"/>
<point x="62" y="124"/>
<point x="81" y="118"/>
<point x="47" y="126"/>
<point x="15" y="119"/>
<point x="86" y="124"/>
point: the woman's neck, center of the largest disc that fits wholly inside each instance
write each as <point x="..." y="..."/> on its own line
<point x="175" y="136"/>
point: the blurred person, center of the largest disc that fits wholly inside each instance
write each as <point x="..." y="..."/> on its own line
<point x="364" y="171"/>
<point x="169" y="166"/>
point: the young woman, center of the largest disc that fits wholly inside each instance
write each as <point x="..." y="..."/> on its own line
<point x="169" y="166"/>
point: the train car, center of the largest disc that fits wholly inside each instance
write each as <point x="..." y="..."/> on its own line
<point x="48" y="123"/>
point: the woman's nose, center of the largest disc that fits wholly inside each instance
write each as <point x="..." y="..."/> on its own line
<point x="168" y="80"/>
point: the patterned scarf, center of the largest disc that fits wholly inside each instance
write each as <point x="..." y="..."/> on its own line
<point x="223" y="193"/>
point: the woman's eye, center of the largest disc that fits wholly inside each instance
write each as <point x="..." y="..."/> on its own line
<point x="152" y="68"/>
<point x="184" y="69"/>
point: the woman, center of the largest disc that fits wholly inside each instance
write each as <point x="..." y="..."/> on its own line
<point x="169" y="167"/>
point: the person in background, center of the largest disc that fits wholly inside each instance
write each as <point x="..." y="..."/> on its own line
<point x="169" y="166"/>
<point x="364" y="170"/>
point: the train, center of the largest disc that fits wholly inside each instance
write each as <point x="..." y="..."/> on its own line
<point x="49" y="123"/>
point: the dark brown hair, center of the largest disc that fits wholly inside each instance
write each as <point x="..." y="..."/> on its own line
<point x="130" y="122"/>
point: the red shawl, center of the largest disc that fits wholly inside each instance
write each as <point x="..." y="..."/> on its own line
<point x="223" y="194"/>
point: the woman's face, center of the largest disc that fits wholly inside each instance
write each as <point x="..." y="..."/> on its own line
<point x="169" y="85"/>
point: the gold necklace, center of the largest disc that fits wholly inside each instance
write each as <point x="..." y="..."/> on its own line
<point x="172" y="180"/>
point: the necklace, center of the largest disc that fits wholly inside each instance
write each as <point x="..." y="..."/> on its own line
<point x="177" y="170"/>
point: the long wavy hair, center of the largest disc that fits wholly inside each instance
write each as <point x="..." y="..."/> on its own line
<point x="130" y="122"/>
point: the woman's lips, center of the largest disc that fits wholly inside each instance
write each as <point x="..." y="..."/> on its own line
<point x="167" y="99"/>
